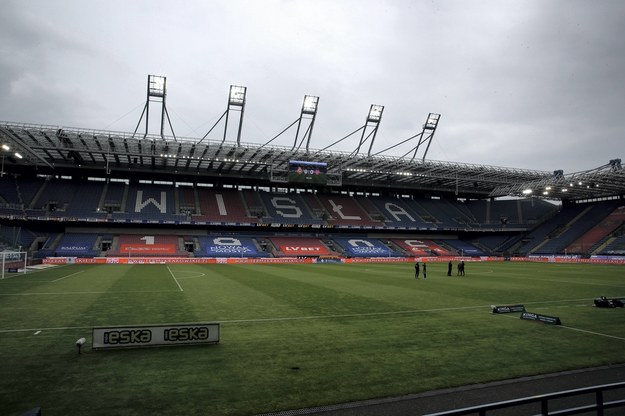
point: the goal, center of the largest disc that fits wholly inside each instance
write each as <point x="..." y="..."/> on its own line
<point x="13" y="262"/>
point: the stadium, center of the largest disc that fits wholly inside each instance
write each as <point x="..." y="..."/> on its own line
<point x="300" y="261"/>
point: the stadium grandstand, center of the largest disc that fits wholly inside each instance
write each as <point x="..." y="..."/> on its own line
<point x="75" y="192"/>
<point x="79" y="196"/>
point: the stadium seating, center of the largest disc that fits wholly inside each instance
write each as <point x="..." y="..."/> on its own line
<point x="591" y="239"/>
<point x="366" y="247"/>
<point x="550" y="227"/>
<point x="141" y="245"/>
<point x="443" y="213"/>
<point x="289" y="208"/>
<point x="15" y="237"/>
<point x="299" y="246"/>
<point x="222" y="206"/>
<point x="464" y="248"/>
<point x="76" y="245"/>
<point x="615" y="248"/>
<point x="494" y="244"/>
<point x="150" y="204"/>
<point x="574" y="229"/>
<point x="399" y="214"/>
<point x="228" y="246"/>
<point x="590" y="216"/>
<point x="345" y="212"/>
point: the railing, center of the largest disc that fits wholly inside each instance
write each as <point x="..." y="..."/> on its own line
<point x="599" y="404"/>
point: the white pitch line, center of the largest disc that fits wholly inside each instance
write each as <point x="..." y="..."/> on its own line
<point x="572" y="329"/>
<point x="62" y="328"/>
<point x="175" y="280"/>
<point x="279" y="319"/>
<point x="591" y="332"/>
<point x="351" y="315"/>
<point x="64" y="277"/>
<point x="196" y="275"/>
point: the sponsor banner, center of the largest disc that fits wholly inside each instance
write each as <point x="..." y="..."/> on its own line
<point x="551" y="320"/>
<point x="230" y="246"/>
<point x="149" y="336"/>
<point x="568" y="259"/>
<point x="303" y="250"/>
<point x="379" y="260"/>
<point x="148" y="248"/>
<point x="74" y="248"/>
<point x="508" y="308"/>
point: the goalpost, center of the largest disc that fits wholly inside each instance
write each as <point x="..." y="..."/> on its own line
<point x="13" y="262"/>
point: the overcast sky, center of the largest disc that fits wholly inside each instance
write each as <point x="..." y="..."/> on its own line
<point x="537" y="84"/>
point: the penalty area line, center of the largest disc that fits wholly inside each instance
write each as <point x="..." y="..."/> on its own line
<point x="175" y="280"/>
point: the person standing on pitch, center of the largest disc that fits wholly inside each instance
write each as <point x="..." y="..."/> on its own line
<point x="449" y="266"/>
<point x="416" y="270"/>
<point x="425" y="270"/>
<point x="462" y="268"/>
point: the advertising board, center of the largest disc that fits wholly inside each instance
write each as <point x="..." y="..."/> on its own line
<point x="157" y="335"/>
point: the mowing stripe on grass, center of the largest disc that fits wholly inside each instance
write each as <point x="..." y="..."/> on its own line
<point x="319" y="317"/>
<point x="69" y="275"/>
<point x="175" y="280"/>
<point x="106" y="292"/>
<point x="280" y="319"/>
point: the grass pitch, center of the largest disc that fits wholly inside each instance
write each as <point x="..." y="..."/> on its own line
<point x="294" y="335"/>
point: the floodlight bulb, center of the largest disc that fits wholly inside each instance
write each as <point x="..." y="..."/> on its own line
<point x="158" y="82"/>
<point x="19" y="156"/>
<point x="5" y="147"/>
<point x="527" y="191"/>
<point x="237" y="94"/>
<point x="310" y="103"/>
<point x="376" y="112"/>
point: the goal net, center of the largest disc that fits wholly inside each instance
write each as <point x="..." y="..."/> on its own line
<point x="13" y="262"/>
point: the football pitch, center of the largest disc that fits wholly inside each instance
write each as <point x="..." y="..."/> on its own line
<point x="294" y="336"/>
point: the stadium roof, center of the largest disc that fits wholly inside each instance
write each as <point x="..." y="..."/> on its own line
<point x="61" y="150"/>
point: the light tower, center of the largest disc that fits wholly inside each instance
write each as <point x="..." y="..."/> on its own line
<point x="373" y="120"/>
<point x="426" y="135"/>
<point x="156" y="93"/>
<point x="430" y="128"/>
<point x="236" y="102"/>
<point x="309" y="112"/>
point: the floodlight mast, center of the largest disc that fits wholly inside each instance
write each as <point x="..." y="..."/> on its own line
<point x="236" y="102"/>
<point x="309" y="112"/>
<point x="430" y="126"/>
<point x="373" y="120"/>
<point x="156" y="92"/>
